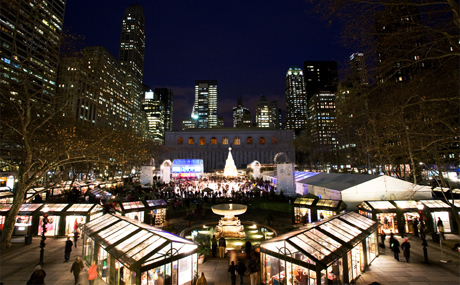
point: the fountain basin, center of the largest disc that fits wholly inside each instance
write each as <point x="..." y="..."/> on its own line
<point x="229" y="209"/>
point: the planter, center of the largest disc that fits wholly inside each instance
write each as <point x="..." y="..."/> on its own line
<point x="201" y="259"/>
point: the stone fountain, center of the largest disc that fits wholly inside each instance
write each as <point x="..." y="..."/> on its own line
<point x="229" y="225"/>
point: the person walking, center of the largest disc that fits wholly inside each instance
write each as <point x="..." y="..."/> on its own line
<point x="92" y="273"/>
<point x="254" y="268"/>
<point x="248" y="249"/>
<point x="394" y="245"/>
<point x="68" y="249"/>
<point x="441" y="228"/>
<point x="232" y="270"/>
<point x="382" y="238"/>
<point x="222" y="246"/>
<point x="76" y="268"/>
<point x="415" y="224"/>
<point x="214" y="246"/>
<point x="38" y="277"/>
<point x="241" y="269"/>
<point x="76" y="235"/>
<point x="405" y="246"/>
<point x="201" y="280"/>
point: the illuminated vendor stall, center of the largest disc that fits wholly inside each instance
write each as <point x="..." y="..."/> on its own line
<point x="56" y="219"/>
<point x="24" y="220"/>
<point x="334" y="251"/>
<point x="129" y="252"/>
<point x="157" y="210"/>
<point x="97" y="194"/>
<point x="311" y="209"/>
<point x="78" y="214"/>
<point x="187" y="168"/>
<point x="6" y="196"/>
<point x="435" y="209"/>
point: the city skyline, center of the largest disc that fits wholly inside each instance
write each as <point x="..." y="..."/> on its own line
<point x="246" y="47"/>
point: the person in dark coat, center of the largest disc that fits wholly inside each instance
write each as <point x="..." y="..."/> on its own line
<point x="248" y="249"/>
<point x="232" y="270"/>
<point x="76" y="235"/>
<point x="214" y="246"/>
<point x="382" y="238"/>
<point x="38" y="277"/>
<point x="241" y="269"/>
<point x="76" y="268"/>
<point x="405" y="246"/>
<point x="394" y="245"/>
<point x="68" y="249"/>
<point x="415" y="224"/>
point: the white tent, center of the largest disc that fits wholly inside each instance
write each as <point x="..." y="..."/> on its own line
<point x="355" y="188"/>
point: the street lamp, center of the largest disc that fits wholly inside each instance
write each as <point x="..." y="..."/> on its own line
<point x="45" y="221"/>
<point x="420" y="207"/>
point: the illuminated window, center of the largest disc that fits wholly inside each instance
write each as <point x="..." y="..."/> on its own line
<point x="262" y="141"/>
<point x="213" y="140"/>
<point x="202" y="141"/>
<point x="180" y="140"/>
<point x="237" y="141"/>
<point x="274" y="140"/>
<point x="249" y="140"/>
<point x="191" y="140"/>
<point x="225" y="140"/>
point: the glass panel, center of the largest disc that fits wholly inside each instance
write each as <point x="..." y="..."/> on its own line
<point x="324" y="240"/>
<point x="327" y="203"/>
<point x="357" y="219"/>
<point x="116" y="227"/>
<point x="5" y="207"/>
<point x="364" y="206"/>
<point x="101" y="222"/>
<point x="133" y="205"/>
<point x="133" y="241"/>
<point x="153" y="203"/>
<point x="80" y="208"/>
<point x="435" y="204"/>
<point x="307" y="248"/>
<point x="53" y="207"/>
<point x="145" y="248"/>
<point x="381" y="205"/>
<point x="187" y="248"/>
<point x="97" y="208"/>
<point x="324" y="251"/>
<point x="30" y="207"/>
<point x="121" y="234"/>
<point x="341" y="234"/>
<point x="346" y="227"/>
<point x="406" y="204"/>
<point x="304" y="201"/>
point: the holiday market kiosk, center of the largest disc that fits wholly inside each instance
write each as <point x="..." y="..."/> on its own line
<point x="144" y="211"/>
<point x="24" y="220"/>
<point x="311" y="209"/>
<point x="333" y="251"/>
<point x="127" y="251"/>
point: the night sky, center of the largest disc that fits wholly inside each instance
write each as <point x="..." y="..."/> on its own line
<point x="247" y="46"/>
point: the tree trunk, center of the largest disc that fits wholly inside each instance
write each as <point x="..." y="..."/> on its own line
<point x="5" y="238"/>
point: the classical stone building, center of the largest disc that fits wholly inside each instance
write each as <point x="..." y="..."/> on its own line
<point x="248" y="145"/>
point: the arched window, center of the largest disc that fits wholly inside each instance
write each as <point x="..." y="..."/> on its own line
<point x="237" y="141"/>
<point x="274" y="140"/>
<point x="249" y="140"/>
<point x="261" y="140"/>
<point x="202" y="141"/>
<point x="180" y="140"/>
<point x="191" y="140"/>
<point x="213" y="140"/>
<point x="225" y="140"/>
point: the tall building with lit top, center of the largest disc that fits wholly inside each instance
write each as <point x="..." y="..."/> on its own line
<point x="358" y="68"/>
<point x="263" y="113"/>
<point x="131" y="57"/>
<point x="242" y="117"/>
<point x="296" y="99"/>
<point x="205" y="107"/>
<point x="154" y="108"/>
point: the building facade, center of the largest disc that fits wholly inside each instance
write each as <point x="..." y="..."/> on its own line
<point x="323" y="120"/>
<point x="296" y="99"/>
<point x="320" y="75"/>
<point x="242" y="117"/>
<point x="166" y="96"/>
<point x="155" y="112"/>
<point x="205" y="107"/>
<point x="95" y="84"/>
<point x="358" y="68"/>
<point x="131" y="57"/>
<point x="248" y="145"/>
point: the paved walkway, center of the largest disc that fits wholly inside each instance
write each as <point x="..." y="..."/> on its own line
<point x="17" y="263"/>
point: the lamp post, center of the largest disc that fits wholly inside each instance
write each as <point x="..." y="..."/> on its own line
<point x="45" y="221"/>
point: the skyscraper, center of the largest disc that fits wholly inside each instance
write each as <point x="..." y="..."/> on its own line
<point x="242" y="117"/>
<point x="30" y="40"/>
<point x="205" y="107"/>
<point x="296" y="99"/>
<point x="131" y="57"/>
<point x="166" y="96"/>
<point x="155" y="111"/>
<point x="320" y="75"/>
<point x="323" y="120"/>
<point x="358" y="68"/>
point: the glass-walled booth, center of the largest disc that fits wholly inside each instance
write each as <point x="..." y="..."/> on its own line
<point x="128" y="252"/>
<point x="27" y="216"/>
<point x="333" y="251"/>
<point x="437" y="209"/>
<point x="79" y="214"/>
<point x="311" y="209"/>
<point x="56" y="219"/>
<point x="383" y="212"/>
<point x="97" y="194"/>
<point x="6" y="196"/>
<point x="157" y="211"/>
<point x="134" y="210"/>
